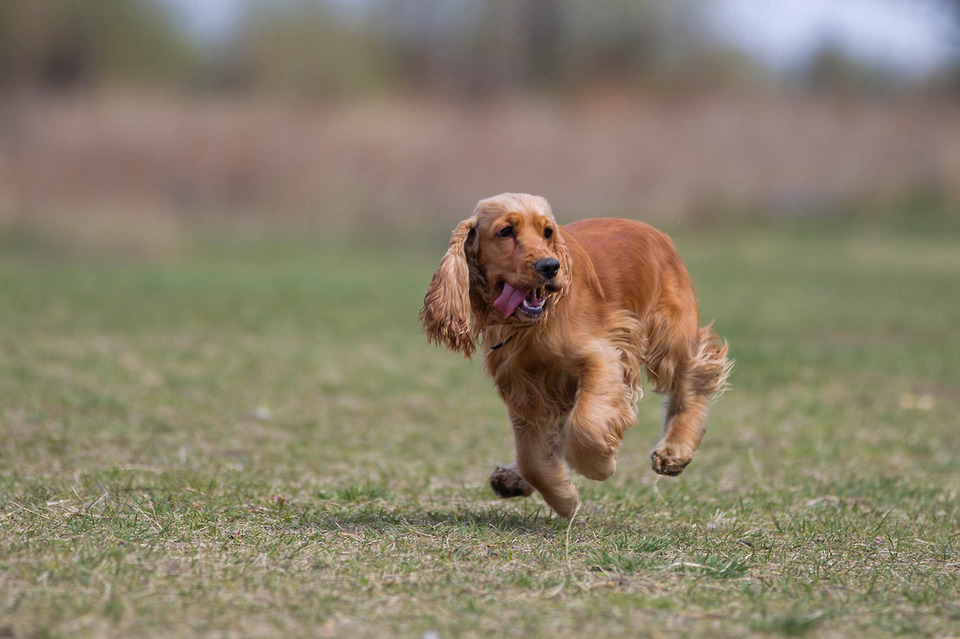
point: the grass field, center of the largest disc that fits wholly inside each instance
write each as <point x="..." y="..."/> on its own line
<point x="252" y="439"/>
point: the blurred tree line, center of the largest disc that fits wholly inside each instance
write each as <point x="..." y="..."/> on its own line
<point x="334" y="48"/>
<point x="71" y="43"/>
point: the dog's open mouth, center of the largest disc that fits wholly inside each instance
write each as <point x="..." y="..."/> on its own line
<point x="528" y="301"/>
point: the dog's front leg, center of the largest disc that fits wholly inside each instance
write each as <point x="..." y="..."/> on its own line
<point x="542" y="467"/>
<point x="605" y="408"/>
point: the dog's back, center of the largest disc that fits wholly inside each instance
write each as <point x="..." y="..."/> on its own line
<point x="634" y="263"/>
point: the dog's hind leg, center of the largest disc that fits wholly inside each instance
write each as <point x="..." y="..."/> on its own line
<point x="506" y="482"/>
<point x="683" y="429"/>
<point x="695" y="380"/>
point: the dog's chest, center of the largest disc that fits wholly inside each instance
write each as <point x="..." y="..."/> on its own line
<point x="539" y="391"/>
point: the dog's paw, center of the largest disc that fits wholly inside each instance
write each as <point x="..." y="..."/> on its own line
<point x="668" y="459"/>
<point x="507" y="482"/>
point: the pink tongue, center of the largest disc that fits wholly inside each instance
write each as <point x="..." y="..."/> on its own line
<point x="509" y="300"/>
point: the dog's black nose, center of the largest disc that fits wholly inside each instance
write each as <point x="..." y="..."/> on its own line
<point x="547" y="267"/>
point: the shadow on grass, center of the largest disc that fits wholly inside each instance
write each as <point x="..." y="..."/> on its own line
<point x="375" y="518"/>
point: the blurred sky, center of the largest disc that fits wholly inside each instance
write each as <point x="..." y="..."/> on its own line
<point x="908" y="36"/>
<point x="905" y="36"/>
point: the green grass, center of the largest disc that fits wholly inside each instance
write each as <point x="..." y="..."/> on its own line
<point x="252" y="439"/>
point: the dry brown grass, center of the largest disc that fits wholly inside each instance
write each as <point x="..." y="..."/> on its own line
<point x="179" y="160"/>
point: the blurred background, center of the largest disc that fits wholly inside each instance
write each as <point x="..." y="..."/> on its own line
<point x="131" y="124"/>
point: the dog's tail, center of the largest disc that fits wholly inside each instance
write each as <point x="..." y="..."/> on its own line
<point x="710" y="369"/>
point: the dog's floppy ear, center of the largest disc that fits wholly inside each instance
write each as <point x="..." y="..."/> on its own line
<point x="446" y="315"/>
<point x="563" y="255"/>
<point x="586" y="274"/>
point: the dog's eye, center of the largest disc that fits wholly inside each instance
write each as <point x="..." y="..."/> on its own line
<point x="506" y="231"/>
<point x="547" y="233"/>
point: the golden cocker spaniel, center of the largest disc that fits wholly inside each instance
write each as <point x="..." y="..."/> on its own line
<point x="567" y="317"/>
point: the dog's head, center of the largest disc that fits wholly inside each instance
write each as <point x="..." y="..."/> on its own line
<point x="507" y="264"/>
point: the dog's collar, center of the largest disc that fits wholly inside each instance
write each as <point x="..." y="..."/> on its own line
<point x="504" y="342"/>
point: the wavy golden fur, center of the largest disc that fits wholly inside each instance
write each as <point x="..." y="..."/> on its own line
<point x="567" y="318"/>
